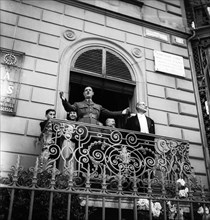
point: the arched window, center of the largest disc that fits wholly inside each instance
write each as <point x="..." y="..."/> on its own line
<point x="107" y="72"/>
<point x="102" y="61"/>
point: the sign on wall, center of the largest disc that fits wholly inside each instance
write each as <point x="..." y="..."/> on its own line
<point x="156" y="34"/>
<point x="169" y="63"/>
<point x="10" y="65"/>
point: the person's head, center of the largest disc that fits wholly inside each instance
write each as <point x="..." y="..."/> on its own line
<point x="141" y="107"/>
<point x="99" y="123"/>
<point x="88" y="93"/>
<point x="50" y="113"/>
<point x="110" y="122"/>
<point x="72" y="116"/>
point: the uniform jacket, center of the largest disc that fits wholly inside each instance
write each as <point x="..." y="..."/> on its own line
<point x="89" y="112"/>
<point x="133" y="124"/>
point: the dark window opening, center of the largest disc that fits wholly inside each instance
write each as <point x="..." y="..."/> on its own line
<point x="111" y="100"/>
<point x="108" y="74"/>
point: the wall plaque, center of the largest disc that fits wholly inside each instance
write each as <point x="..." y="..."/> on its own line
<point x="179" y="41"/>
<point x="10" y="64"/>
<point x="156" y="34"/>
<point x="169" y="63"/>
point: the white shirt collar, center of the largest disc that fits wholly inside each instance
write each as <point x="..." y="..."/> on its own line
<point x="143" y="123"/>
<point x="140" y="115"/>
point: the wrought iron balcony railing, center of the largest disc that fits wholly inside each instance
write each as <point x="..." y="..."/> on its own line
<point x="103" y="152"/>
<point x="96" y="172"/>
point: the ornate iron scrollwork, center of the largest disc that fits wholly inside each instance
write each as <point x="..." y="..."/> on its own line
<point x="113" y="156"/>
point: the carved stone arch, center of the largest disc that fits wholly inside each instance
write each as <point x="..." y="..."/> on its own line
<point x="136" y="65"/>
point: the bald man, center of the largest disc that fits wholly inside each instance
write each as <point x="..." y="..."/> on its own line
<point x="140" y="122"/>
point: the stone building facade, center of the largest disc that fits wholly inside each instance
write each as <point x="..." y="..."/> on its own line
<point x="142" y="53"/>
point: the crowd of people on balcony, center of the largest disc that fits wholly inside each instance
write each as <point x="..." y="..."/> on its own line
<point x="89" y="112"/>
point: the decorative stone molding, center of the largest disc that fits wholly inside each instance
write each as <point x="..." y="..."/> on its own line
<point x="69" y="35"/>
<point x="10" y="59"/>
<point x="137" y="52"/>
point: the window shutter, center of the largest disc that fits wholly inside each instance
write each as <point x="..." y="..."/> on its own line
<point x="115" y="67"/>
<point x="102" y="61"/>
<point x="90" y="61"/>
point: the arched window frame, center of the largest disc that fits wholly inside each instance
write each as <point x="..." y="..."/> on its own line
<point x="104" y="56"/>
<point x="137" y="67"/>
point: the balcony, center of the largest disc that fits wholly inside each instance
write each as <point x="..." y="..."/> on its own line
<point x="95" y="172"/>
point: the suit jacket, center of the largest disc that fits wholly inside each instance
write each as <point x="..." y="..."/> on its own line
<point x="133" y="124"/>
<point x="89" y="112"/>
<point x="43" y="124"/>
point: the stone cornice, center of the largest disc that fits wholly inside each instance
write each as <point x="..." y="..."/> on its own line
<point x="134" y="2"/>
<point x="126" y="18"/>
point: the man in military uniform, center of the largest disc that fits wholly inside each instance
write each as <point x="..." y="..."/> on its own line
<point x="87" y="110"/>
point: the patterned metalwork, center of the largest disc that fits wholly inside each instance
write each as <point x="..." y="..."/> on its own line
<point x="197" y="12"/>
<point x="90" y="150"/>
<point x="93" y="172"/>
<point x="201" y="64"/>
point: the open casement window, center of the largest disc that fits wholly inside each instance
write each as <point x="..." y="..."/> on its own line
<point x="107" y="73"/>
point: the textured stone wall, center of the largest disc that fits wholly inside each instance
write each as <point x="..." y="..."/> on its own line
<point x="37" y="27"/>
<point x="166" y="13"/>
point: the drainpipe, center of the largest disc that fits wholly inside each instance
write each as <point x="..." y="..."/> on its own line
<point x="192" y="36"/>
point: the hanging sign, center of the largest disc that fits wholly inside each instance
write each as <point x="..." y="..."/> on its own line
<point x="10" y="80"/>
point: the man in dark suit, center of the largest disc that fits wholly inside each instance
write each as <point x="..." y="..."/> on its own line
<point x="87" y="110"/>
<point x="51" y="145"/>
<point x="49" y="114"/>
<point x="140" y="122"/>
